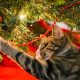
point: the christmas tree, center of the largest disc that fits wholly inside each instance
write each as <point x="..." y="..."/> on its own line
<point x="17" y="16"/>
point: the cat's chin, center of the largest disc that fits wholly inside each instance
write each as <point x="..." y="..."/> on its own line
<point x="41" y="60"/>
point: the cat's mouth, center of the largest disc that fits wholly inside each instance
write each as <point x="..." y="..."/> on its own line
<point x="39" y="55"/>
<point x="42" y="55"/>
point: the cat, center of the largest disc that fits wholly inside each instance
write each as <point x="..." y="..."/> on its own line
<point x="57" y="58"/>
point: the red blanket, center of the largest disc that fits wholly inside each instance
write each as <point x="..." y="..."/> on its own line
<point x="9" y="70"/>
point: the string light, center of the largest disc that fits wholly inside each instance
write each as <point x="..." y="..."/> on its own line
<point x="22" y="17"/>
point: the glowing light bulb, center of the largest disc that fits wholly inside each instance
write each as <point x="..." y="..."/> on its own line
<point x="31" y="25"/>
<point x="22" y="17"/>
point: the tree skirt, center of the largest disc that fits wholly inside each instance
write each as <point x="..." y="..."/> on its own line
<point x="9" y="70"/>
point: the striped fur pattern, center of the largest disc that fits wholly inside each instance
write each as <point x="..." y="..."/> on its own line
<point x="56" y="59"/>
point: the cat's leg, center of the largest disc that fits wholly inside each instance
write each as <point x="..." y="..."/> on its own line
<point x="27" y="62"/>
<point x="13" y="52"/>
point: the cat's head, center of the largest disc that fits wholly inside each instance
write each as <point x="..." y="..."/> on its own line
<point x="51" y="45"/>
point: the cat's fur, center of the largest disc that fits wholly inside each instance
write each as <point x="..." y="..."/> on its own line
<point x="57" y="58"/>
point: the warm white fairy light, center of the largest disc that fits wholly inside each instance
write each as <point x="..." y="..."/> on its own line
<point x="22" y="17"/>
<point x="31" y="25"/>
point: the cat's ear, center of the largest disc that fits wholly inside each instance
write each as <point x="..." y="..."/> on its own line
<point x="57" y="32"/>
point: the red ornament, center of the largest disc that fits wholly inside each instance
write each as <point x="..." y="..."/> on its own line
<point x="1" y="19"/>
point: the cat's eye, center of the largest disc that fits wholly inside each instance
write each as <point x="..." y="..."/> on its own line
<point x="43" y="46"/>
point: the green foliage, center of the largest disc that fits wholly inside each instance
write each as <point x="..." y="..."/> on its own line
<point x="34" y="10"/>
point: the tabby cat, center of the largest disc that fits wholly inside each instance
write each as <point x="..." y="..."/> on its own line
<point x="57" y="58"/>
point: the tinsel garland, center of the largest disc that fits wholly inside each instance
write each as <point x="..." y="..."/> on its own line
<point x="68" y="6"/>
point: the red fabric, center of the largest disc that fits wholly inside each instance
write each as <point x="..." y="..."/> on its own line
<point x="43" y="24"/>
<point x="32" y="47"/>
<point x="9" y="70"/>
